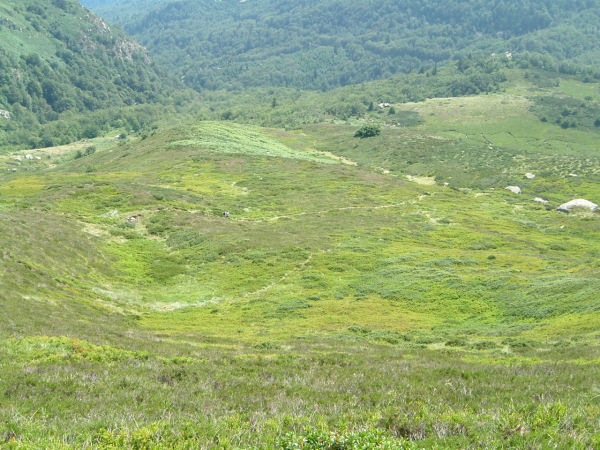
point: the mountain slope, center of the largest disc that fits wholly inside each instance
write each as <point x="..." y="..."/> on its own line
<point x="391" y="281"/>
<point x="57" y="60"/>
<point x="323" y="44"/>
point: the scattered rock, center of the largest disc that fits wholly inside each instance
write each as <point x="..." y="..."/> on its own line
<point x="540" y="200"/>
<point x="577" y="203"/>
<point x="574" y="175"/>
<point x="134" y="219"/>
<point x="384" y="105"/>
<point x="514" y="189"/>
<point x="530" y="176"/>
<point x="28" y="157"/>
<point x="4" y="114"/>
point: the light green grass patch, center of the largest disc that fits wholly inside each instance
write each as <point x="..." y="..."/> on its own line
<point x="232" y="138"/>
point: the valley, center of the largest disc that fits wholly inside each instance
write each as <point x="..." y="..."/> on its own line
<point x="236" y="268"/>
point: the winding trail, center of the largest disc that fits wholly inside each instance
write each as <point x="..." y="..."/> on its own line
<point x="297" y="268"/>
<point x="285" y="276"/>
<point x="327" y="211"/>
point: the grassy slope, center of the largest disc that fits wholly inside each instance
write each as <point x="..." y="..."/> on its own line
<point x="337" y="296"/>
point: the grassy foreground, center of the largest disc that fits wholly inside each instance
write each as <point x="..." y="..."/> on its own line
<point x="383" y="292"/>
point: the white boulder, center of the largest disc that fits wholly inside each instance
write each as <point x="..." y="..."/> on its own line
<point x="577" y="203"/>
<point x="514" y="189"/>
<point x="540" y="200"/>
<point x="530" y="176"/>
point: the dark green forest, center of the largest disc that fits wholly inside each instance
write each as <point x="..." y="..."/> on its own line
<point x="66" y="74"/>
<point x="58" y="63"/>
<point x="325" y="44"/>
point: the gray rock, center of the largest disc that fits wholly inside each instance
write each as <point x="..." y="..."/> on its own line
<point x="577" y="203"/>
<point x="514" y="189"/>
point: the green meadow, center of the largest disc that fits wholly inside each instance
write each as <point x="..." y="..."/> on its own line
<point x="385" y="292"/>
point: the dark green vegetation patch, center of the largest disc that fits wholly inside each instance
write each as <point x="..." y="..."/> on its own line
<point x="327" y="44"/>
<point x="58" y="61"/>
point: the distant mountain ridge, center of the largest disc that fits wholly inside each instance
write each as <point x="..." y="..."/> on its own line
<point x="324" y="44"/>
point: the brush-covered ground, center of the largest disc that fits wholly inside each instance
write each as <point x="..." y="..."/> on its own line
<point x="364" y="293"/>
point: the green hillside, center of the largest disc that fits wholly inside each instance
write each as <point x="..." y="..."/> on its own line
<point x="58" y="62"/>
<point x="370" y="292"/>
<point x="350" y="234"/>
<point x="325" y="44"/>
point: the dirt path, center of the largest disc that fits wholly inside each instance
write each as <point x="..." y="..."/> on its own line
<point x="327" y="211"/>
<point x="298" y="268"/>
<point x="281" y="279"/>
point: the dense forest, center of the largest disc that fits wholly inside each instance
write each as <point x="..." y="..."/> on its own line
<point x="59" y="62"/>
<point x="312" y="44"/>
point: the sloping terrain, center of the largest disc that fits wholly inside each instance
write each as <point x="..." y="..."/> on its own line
<point x="58" y="61"/>
<point x="388" y="288"/>
<point x="325" y="44"/>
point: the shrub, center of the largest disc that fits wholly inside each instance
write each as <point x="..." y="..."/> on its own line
<point x="358" y="329"/>
<point x="267" y="346"/>
<point x="456" y="342"/>
<point x="484" y="345"/>
<point x="368" y="130"/>
<point x="367" y="439"/>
